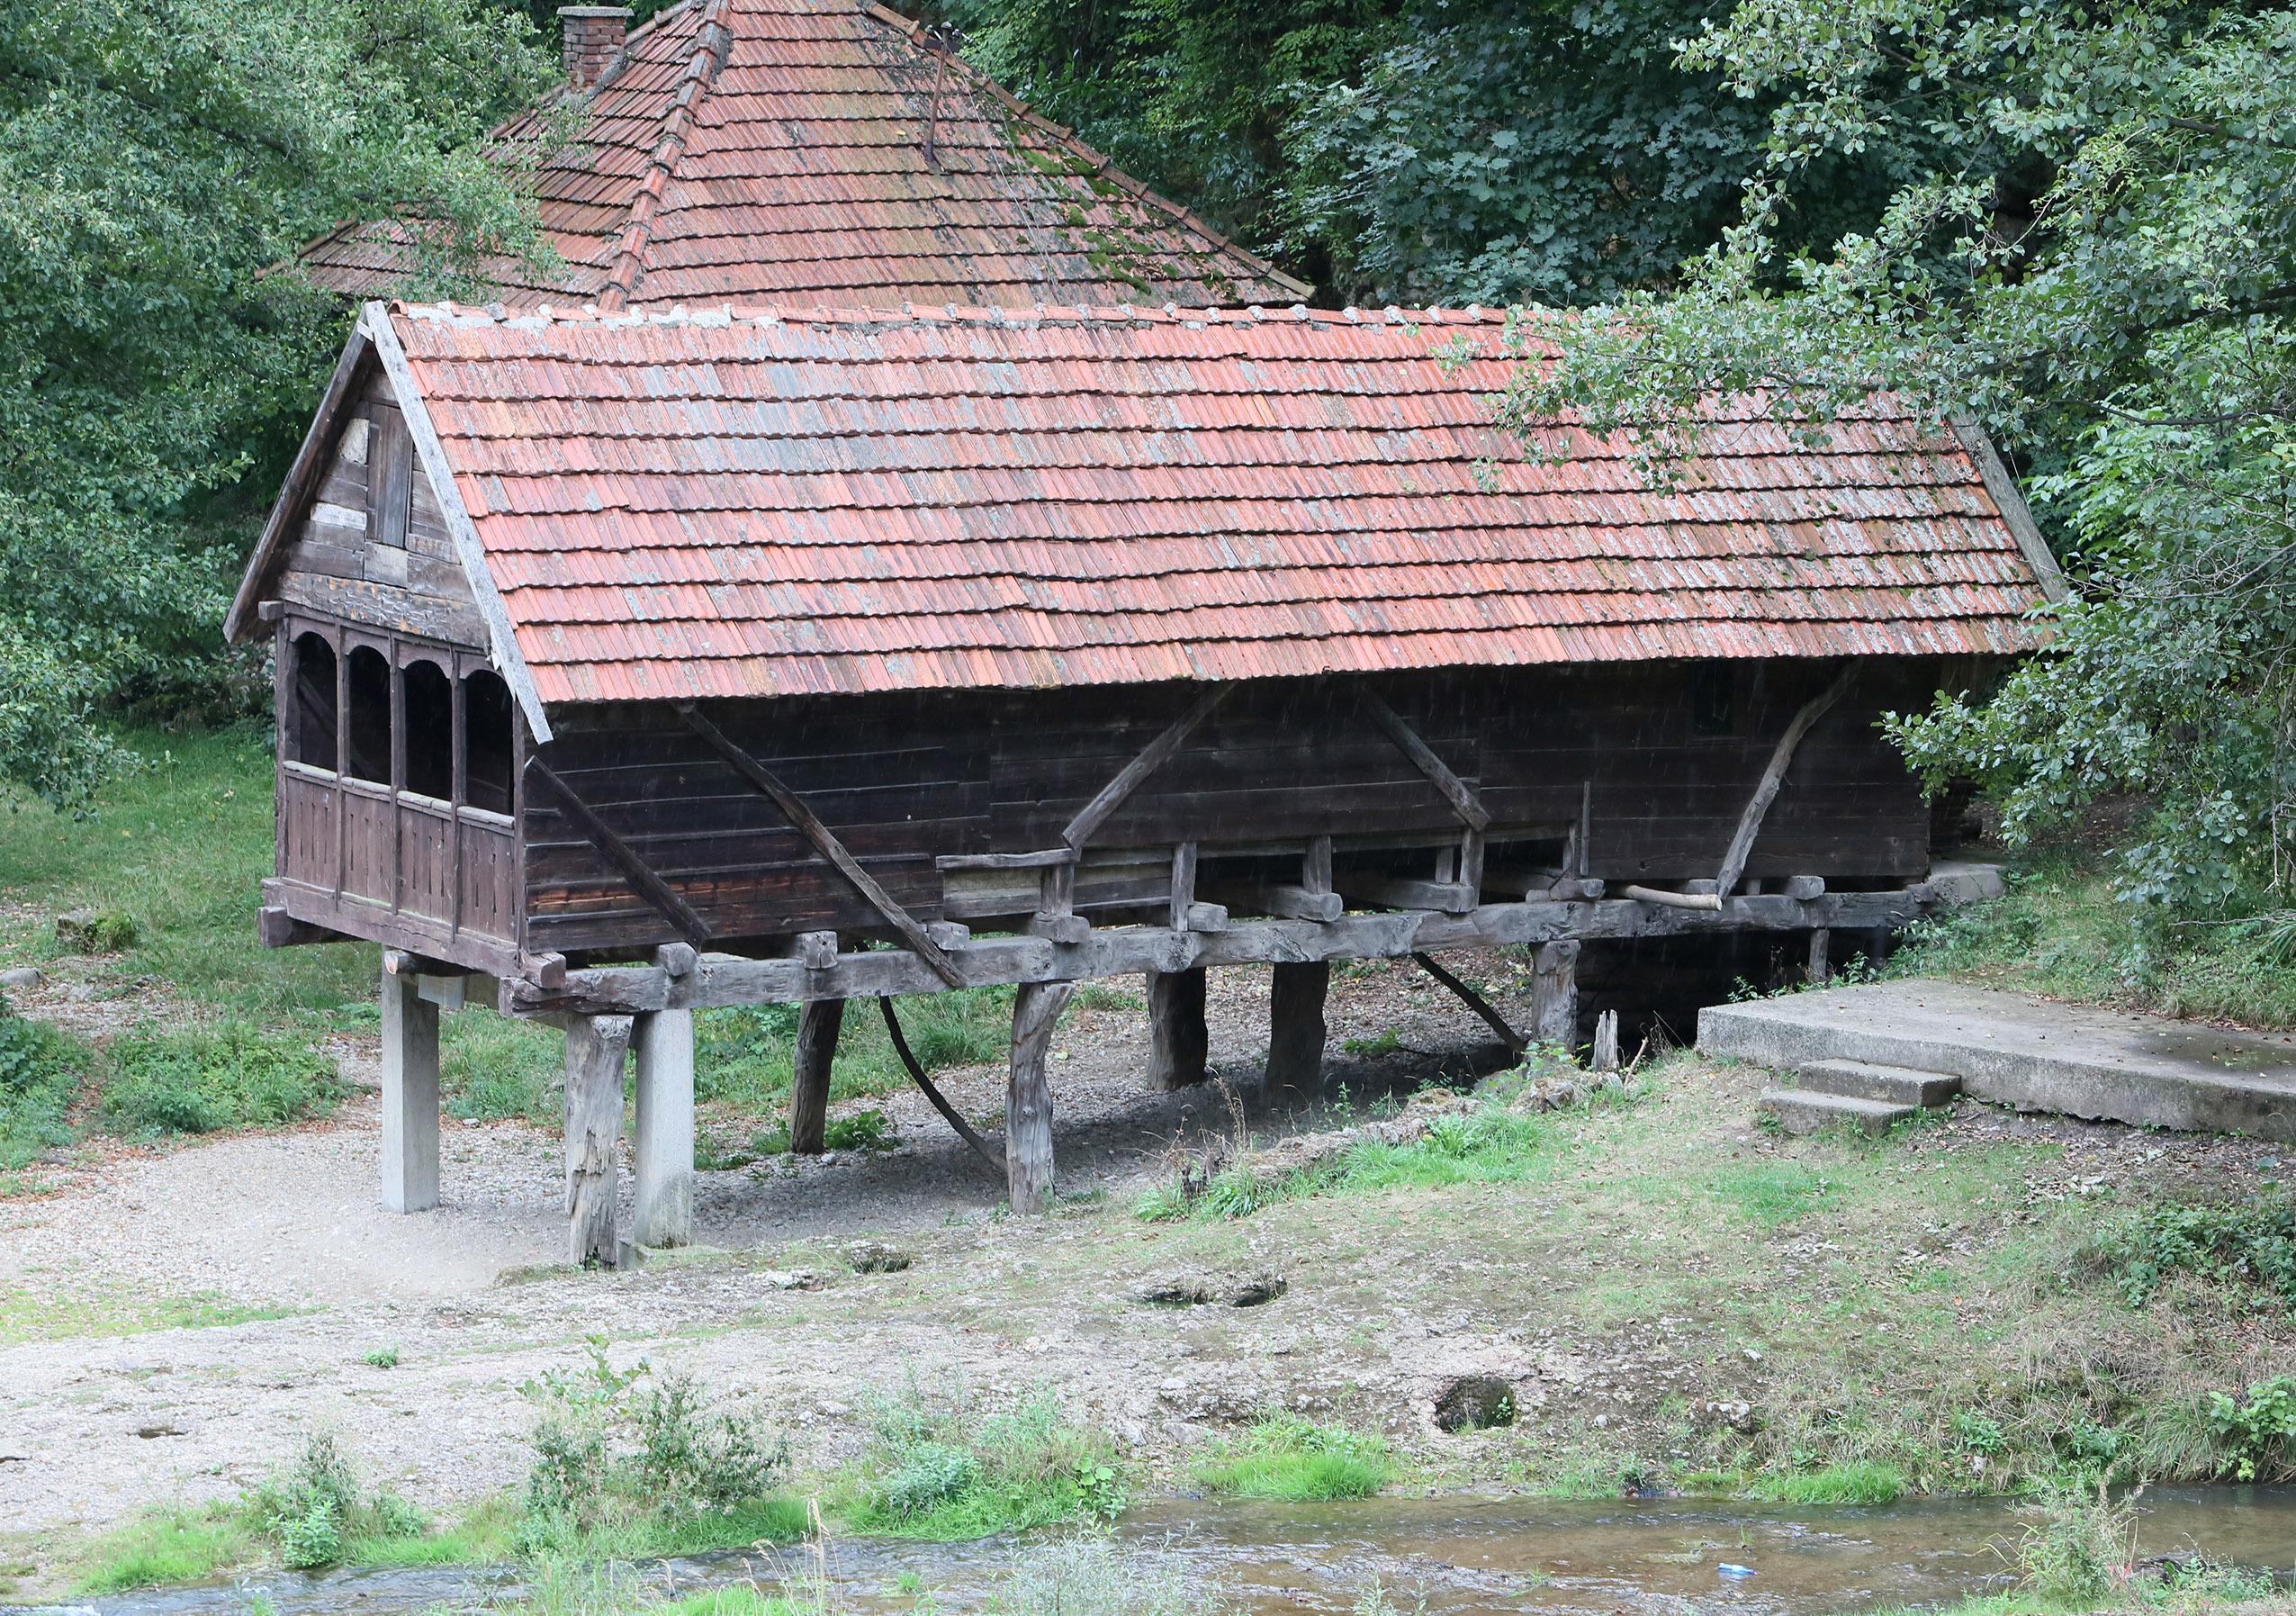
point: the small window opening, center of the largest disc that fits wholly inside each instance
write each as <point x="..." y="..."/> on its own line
<point x="368" y="722"/>
<point x="310" y="703"/>
<point x="429" y="713"/>
<point x="1713" y="709"/>
<point x="486" y="741"/>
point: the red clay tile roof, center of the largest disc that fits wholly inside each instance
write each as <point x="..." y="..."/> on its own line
<point x="764" y="504"/>
<point x="776" y="150"/>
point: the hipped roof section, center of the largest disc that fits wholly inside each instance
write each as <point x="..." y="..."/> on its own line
<point x="822" y="151"/>
<point x="769" y="503"/>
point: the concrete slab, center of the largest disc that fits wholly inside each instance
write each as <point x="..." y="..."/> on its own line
<point x="2016" y="1049"/>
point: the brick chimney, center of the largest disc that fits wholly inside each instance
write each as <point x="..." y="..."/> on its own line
<point x="589" y="37"/>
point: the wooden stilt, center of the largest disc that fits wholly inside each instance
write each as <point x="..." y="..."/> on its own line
<point x="663" y="1045"/>
<point x="1820" y="967"/>
<point x="1028" y="1101"/>
<point x="817" y="1027"/>
<point x="410" y="1096"/>
<point x="1295" y="1027"/>
<point x="1554" y="997"/>
<point x="1177" y="1040"/>
<point x="595" y="1046"/>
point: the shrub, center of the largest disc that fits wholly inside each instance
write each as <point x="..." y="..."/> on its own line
<point x="2247" y="1248"/>
<point x="231" y="1074"/>
<point x="935" y="1469"/>
<point x="1092" y="1576"/>
<point x="1284" y="1456"/>
<point x="313" y="1507"/>
<point x="616" y="1446"/>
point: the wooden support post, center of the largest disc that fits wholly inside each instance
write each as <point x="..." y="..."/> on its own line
<point x="595" y="1046"/>
<point x="663" y="1045"/>
<point x="1554" y="994"/>
<point x="410" y="1096"/>
<point x="1177" y="1040"/>
<point x="1295" y="1027"/>
<point x="1028" y="1100"/>
<point x="818" y="1023"/>
<point x="1819" y="968"/>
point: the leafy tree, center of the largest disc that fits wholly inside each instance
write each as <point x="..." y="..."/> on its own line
<point x="1449" y="150"/>
<point x="2099" y="265"/>
<point x="156" y="158"/>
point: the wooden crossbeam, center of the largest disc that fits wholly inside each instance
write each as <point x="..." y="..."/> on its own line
<point x="1781" y="757"/>
<point x="824" y="842"/>
<point x="1153" y="756"/>
<point x="1455" y="791"/>
<point x="621" y="855"/>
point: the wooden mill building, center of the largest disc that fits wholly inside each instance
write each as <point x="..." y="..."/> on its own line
<point x="870" y="562"/>
<point x="774" y="655"/>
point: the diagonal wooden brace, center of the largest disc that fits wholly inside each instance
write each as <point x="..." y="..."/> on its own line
<point x="825" y="843"/>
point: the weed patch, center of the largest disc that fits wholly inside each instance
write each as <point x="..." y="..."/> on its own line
<point x="1284" y="1456"/>
<point x="232" y="1075"/>
<point x="41" y="1068"/>
<point x="2259" y="1428"/>
<point x="2246" y="1248"/>
<point x="1774" y="1193"/>
<point x="936" y="1469"/>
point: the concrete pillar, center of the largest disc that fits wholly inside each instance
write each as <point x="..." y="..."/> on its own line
<point x="1296" y="1028"/>
<point x="409" y="1097"/>
<point x="595" y="1048"/>
<point x="1177" y="1040"/>
<point x="818" y="1023"/>
<point x="663" y="1045"/>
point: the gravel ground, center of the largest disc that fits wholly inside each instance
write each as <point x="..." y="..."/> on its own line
<point x="286" y="1222"/>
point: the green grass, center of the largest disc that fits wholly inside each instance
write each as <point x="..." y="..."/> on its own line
<point x="1852" y="1481"/>
<point x="1773" y="1193"/>
<point x="1284" y="1456"/>
<point x="2059" y="931"/>
<point x="181" y="844"/>
<point x="168" y="1546"/>
<point x="205" y="1079"/>
<point x="82" y="1311"/>
<point x="936" y="1469"/>
<point x="743" y="1057"/>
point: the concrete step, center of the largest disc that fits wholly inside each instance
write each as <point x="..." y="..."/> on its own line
<point x="1805" y="1110"/>
<point x="2037" y="1055"/>
<point x="1865" y="1080"/>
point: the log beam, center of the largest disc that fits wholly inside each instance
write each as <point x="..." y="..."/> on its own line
<point x="595" y="1048"/>
<point x="723" y="979"/>
<point x="1296" y="1027"/>
<point x="1178" y="1041"/>
<point x="818" y="1024"/>
<point x="1028" y="1097"/>
<point x="1554" y="992"/>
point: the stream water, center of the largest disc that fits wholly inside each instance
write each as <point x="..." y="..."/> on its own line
<point x="1448" y="1556"/>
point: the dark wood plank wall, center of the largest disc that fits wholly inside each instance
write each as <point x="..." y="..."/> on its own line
<point x="339" y="566"/>
<point x="904" y="779"/>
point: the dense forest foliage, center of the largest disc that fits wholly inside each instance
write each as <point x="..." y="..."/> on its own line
<point x="2072" y="224"/>
<point x="156" y="157"/>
